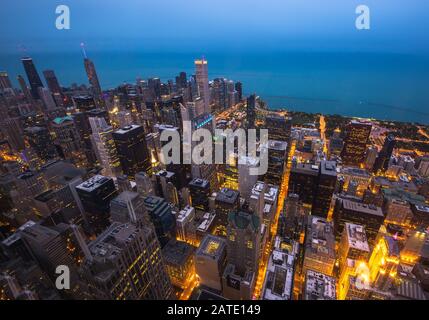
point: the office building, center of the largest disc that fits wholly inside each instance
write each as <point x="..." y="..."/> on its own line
<point x="132" y="150"/>
<point x="277" y="160"/>
<point x="251" y="111"/>
<point x="125" y="263"/>
<point x="162" y="217"/>
<point x="238" y="285"/>
<point x="226" y="201"/>
<point x="202" y="77"/>
<point x="382" y="162"/>
<point x="40" y="140"/>
<point x="243" y="241"/>
<point x="355" y="143"/>
<point x="200" y="193"/>
<point x="179" y="259"/>
<point x="279" y="127"/>
<point x="185" y="225"/>
<point x="246" y="179"/>
<point x="367" y="215"/>
<point x="210" y="262"/>
<point x="104" y="146"/>
<point x="319" y="246"/>
<point x="96" y="194"/>
<point x="32" y="76"/>
<point x="353" y="245"/>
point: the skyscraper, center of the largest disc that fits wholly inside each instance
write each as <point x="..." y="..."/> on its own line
<point x="4" y="81"/>
<point x="355" y="143"/>
<point x="202" y="76"/>
<point x="243" y="241"/>
<point x="382" y="161"/>
<point x="40" y="140"/>
<point x="33" y="76"/>
<point x="95" y="195"/>
<point x="125" y="263"/>
<point x="251" y="111"/>
<point x="52" y="81"/>
<point x="279" y="127"/>
<point x="104" y="146"/>
<point x="132" y="150"/>
<point x="91" y="73"/>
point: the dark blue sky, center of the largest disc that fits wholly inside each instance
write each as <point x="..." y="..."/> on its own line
<point x="203" y="25"/>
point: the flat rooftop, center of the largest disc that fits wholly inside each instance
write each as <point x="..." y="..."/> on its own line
<point x="211" y="246"/>
<point x="319" y="286"/>
<point x="368" y="209"/>
<point x="357" y="236"/>
<point x="93" y="183"/>
<point x="177" y="252"/>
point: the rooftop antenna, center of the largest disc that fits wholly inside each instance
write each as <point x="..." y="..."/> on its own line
<point x="82" y="45"/>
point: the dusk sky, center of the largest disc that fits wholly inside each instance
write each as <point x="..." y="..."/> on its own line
<point x="189" y="25"/>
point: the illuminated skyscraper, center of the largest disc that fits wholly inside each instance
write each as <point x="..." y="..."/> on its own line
<point x="251" y="111"/>
<point x="104" y="146"/>
<point x="33" y="76"/>
<point x="202" y="76"/>
<point x="355" y="143"/>
<point x="91" y="73"/>
<point x="382" y="161"/>
<point x="54" y="86"/>
<point x="126" y="264"/>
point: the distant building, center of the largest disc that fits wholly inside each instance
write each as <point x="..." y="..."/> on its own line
<point x="201" y="72"/>
<point x="32" y="76"/>
<point x="382" y="162"/>
<point x="355" y="143"/>
<point x="279" y="127"/>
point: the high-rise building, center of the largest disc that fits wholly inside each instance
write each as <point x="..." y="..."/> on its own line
<point x="353" y="245"/>
<point x="162" y="217"/>
<point x="104" y="146"/>
<point x="325" y="188"/>
<point x="292" y="218"/>
<point x="246" y="180"/>
<point x="96" y="194"/>
<point x="382" y="162"/>
<point x="251" y="111"/>
<point x="121" y="205"/>
<point x="33" y="76"/>
<point x="4" y="81"/>
<point x="126" y="263"/>
<point x="54" y="86"/>
<point x="226" y="201"/>
<point x="279" y="277"/>
<point x="66" y="137"/>
<point x="24" y="89"/>
<point x="239" y="89"/>
<point x="319" y="246"/>
<point x="210" y="261"/>
<point x="279" y="127"/>
<point x="91" y="74"/>
<point x="185" y="228"/>
<point x="200" y="193"/>
<point x="179" y="260"/>
<point x="202" y="76"/>
<point x="277" y="158"/>
<point x="47" y="99"/>
<point x="243" y="241"/>
<point x="11" y="129"/>
<point x="367" y="215"/>
<point x="40" y="140"/>
<point x="383" y="263"/>
<point x="355" y="143"/>
<point x="132" y="150"/>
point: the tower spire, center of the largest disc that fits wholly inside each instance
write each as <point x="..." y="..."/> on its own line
<point x="82" y="45"/>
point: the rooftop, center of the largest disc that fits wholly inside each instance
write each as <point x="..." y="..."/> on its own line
<point x="362" y="208"/>
<point x="279" y="276"/>
<point x="211" y="246"/>
<point x="93" y="183"/>
<point x="177" y="252"/>
<point x="319" y="286"/>
<point x="227" y="196"/>
<point x="356" y="236"/>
